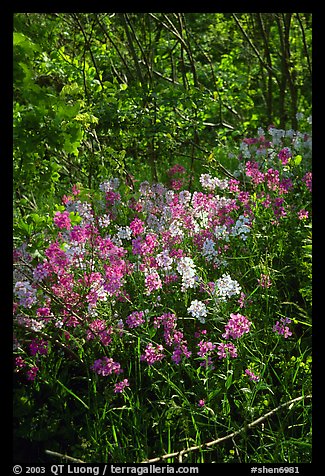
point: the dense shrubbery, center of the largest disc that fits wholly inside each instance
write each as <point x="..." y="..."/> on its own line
<point x="151" y="319"/>
<point x="138" y="93"/>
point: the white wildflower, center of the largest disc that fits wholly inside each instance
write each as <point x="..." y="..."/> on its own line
<point x="104" y="220"/>
<point x="164" y="260"/>
<point x="221" y="232"/>
<point x="225" y="287"/>
<point x="124" y="233"/>
<point x="186" y="269"/>
<point x="210" y="183"/>
<point x="241" y="227"/>
<point x="109" y="185"/>
<point x="198" y="310"/>
<point x="185" y="197"/>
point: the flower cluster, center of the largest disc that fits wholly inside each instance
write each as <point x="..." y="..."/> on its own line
<point x="205" y="349"/>
<point x="264" y="281"/>
<point x="62" y="220"/>
<point x="152" y="354"/>
<point x="226" y="287"/>
<point x="137" y="273"/>
<point x="281" y="328"/>
<point x="106" y="366"/>
<point x="237" y="326"/>
<point x="25" y="293"/>
<point x="98" y="328"/>
<point x="227" y="349"/>
<point x="271" y="170"/>
<point x="210" y="183"/>
<point x="251" y="375"/>
<point x="135" y="319"/>
<point x="120" y="386"/>
<point x="31" y="371"/>
<point x="186" y="269"/>
<point x="198" y="309"/>
<point x="38" y="346"/>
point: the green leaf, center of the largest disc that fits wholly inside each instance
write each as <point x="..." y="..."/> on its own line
<point x="19" y="39"/>
<point x="229" y="380"/>
<point x="297" y="159"/>
<point x="73" y="394"/>
<point x="37" y="219"/>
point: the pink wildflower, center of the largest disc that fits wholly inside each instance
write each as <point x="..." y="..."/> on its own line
<point x="285" y="185"/>
<point x="281" y="329"/>
<point x="180" y="349"/>
<point x="137" y="226"/>
<point x="75" y="190"/>
<point x="153" y="282"/>
<point x="168" y="321"/>
<point x="57" y="257"/>
<point x="135" y="319"/>
<point x="66" y="199"/>
<point x="303" y="214"/>
<point x="20" y="363"/>
<point x="78" y="234"/>
<point x="233" y="185"/>
<point x="237" y="326"/>
<point x="176" y="184"/>
<point x="224" y="349"/>
<point x="31" y="373"/>
<point x="112" y="197"/>
<point x="284" y="155"/>
<point x="120" y="386"/>
<point x="272" y="178"/>
<point x="152" y="354"/>
<point x="38" y="346"/>
<point x="99" y="328"/>
<point x="62" y="220"/>
<point x="252" y="376"/>
<point x="253" y="172"/>
<point x="307" y="178"/>
<point x="243" y="302"/>
<point x="106" y="366"/>
<point x="205" y="350"/>
<point x="264" y="281"/>
<point x="176" y="169"/>
<point x="278" y="209"/>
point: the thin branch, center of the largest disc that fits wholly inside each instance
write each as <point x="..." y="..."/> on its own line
<point x="180" y="454"/>
<point x="55" y="341"/>
<point x="173" y="81"/>
<point x="60" y="455"/>
<point x="305" y="43"/>
<point x="251" y="44"/>
<point x="87" y="43"/>
<point x="145" y="59"/>
<point x="135" y="58"/>
<point x="109" y="38"/>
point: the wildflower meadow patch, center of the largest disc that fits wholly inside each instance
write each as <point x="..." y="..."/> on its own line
<point x="156" y="321"/>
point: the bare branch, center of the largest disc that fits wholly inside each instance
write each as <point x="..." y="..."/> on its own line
<point x="265" y="65"/>
<point x="60" y="455"/>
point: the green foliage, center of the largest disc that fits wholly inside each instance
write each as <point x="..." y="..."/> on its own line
<point x="164" y="88"/>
